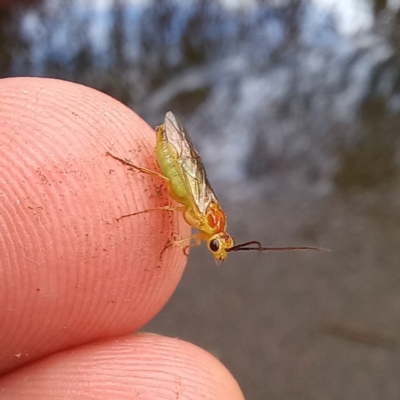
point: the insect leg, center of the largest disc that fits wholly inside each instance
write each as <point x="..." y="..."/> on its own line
<point x="141" y="169"/>
<point x="189" y="246"/>
<point x="197" y="242"/>
<point x="195" y="237"/>
<point x="180" y="241"/>
<point x="165" y="208"/>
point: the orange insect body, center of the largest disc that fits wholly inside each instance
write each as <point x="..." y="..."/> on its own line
<point x="187" y="183"/>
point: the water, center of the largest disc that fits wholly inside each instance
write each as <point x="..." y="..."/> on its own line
<point x="295" y="109"/>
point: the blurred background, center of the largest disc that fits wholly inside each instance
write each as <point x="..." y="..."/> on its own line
<point x="294" y="106"/>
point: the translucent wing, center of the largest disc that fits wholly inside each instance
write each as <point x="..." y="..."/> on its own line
<point x="189" y="163"/>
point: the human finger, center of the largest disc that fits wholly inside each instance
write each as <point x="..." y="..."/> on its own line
<point x="143" y="366"/>
<point x="70" y="273"/>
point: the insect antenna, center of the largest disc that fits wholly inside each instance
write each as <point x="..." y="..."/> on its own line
<point x="256" y="246"/>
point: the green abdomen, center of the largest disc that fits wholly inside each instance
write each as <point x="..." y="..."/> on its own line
<point x="167" y="161"/>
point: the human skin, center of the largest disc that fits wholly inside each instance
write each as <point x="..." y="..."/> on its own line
<point x="74" y="282"/>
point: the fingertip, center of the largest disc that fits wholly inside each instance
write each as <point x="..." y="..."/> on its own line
<point x="71" y="274"/>
<point x="139" y="366"/>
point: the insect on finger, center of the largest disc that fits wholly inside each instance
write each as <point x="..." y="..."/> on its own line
<point x="181" y="167"/>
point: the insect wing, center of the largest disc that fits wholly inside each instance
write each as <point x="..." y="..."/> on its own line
<point x="189" y="163"/>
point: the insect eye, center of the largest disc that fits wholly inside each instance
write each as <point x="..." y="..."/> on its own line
<point x="214" y="245"/>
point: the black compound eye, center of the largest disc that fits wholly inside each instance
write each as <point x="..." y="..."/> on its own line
<point x="214" y="245"/>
